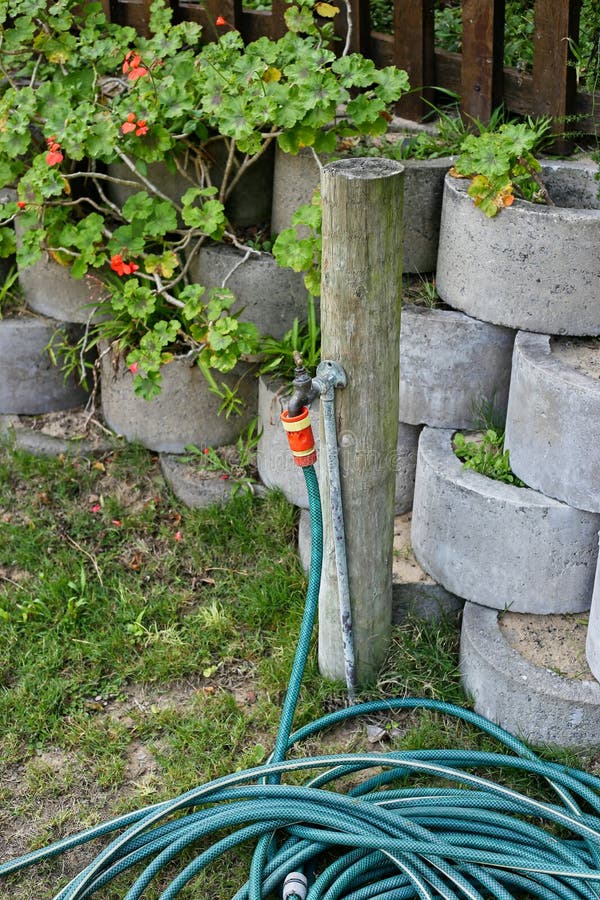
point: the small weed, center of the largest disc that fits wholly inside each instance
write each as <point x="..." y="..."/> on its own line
<point x="237" y="461"/>
<point x="421" y="291"/>
<point x="487" y="456"/>
<point x="12" y="301"/>
<point x="305" y="339"/>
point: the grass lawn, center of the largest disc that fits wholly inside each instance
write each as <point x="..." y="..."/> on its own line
<point x="145" y="649"/>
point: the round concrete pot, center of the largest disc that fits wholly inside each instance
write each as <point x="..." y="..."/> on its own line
<point x="30" y="384"/>
<point x="530" y="701"/>
<point x="496" y="544"/>
<point x="531" y="267"/>
<point x="267" y="295"/>
<point x="277" y="468"/>
<point x="200" y="491"/>
<point x="248" y="204"/>
<point x="51" y="290"/>
<point x="296" y="177"/>
<point x="69" y="433"/>
<point x="451" y="367"/>
<point x="552" y="418"/>
<point x="185" y="412"/>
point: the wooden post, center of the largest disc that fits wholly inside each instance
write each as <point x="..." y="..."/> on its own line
<point x="360" y="323"/>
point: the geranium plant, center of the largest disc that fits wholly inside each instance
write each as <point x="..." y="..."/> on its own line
<point x="502" y="164"/>
<point x="80" y="94"/>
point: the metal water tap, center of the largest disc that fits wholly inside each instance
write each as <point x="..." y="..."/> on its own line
<point x="330" y="375"/>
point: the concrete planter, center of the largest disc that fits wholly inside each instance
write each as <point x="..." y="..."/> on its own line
<point x="57" y="433"/>
<point x="51" y="290"/>
<point x="450" y="365"/>
<point x="267" y="295"/>
<point x="552" y="419"/>
<point x="30" y="384"/>
<point x="528" y="700"/>
<point x="531" y="267"/>
<point x="200" y="490"/>
<point x="296" y="177"/>
<point x="248" y="204"/>
<point x="185" y="412"/>
<point x="277" y="468"/>
<point x="496" y="544"/>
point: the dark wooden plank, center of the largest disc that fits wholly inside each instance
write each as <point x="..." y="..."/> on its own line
<point x="554" y="77"/>
<point x="278" y="26"/>
<point x="132" y="12"/>
<point x="482" y="57"/>
<point x="413" y="50"/>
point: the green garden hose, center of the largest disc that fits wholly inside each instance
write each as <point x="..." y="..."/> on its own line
<point x="413" y="824"/>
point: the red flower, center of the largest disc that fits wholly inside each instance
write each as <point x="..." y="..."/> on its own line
<point x="134" y="367"/>
<point x="118" y="265"/>
<point x="54" y="155"/>
<point x="221" y="21"/>
<point x="130" y="124"/>
<point x="96" y="508"/>
<point x="178" y="536"/>
<point x="21" y="204"/>
<point x="133" y="66"/>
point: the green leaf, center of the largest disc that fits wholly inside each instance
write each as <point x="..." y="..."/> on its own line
<point x="220" y="299"/>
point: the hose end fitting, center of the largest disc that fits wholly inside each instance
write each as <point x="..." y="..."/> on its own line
<point x="300" y="437"/>
<point x="295" y="886"/>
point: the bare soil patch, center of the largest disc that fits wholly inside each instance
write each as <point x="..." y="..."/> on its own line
<point x="554" y="642"/>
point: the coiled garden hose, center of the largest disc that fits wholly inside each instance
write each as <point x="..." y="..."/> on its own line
<point x="412" y="824"/>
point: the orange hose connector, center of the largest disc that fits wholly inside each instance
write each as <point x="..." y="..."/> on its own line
<point x="300" y="436"/>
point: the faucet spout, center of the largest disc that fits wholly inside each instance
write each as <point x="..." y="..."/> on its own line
<point x="304" y="389"/>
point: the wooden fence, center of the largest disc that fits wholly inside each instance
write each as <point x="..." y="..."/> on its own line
<point x="477" y="74"/>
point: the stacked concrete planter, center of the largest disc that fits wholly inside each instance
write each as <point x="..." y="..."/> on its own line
<point x="267" y="295"/>
<point x="248" y="204"/>
<point x="51" y="290"/>
<point x="527" y="699"/>
<point x="495" y="544"/>
<point x="450" y="366"/>
<point x="532" y="267"/>
<point x="592" y="645"/>
<point x="277" y="468"/>
<point x="30" y="383"/>
<point x="553" y="415"/>
<point x="185" y="412"/>
<point x="535" y="270"/>
<point x="296" y="177"/>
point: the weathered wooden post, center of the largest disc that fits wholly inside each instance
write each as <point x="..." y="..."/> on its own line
<point x="360" y="322"/>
